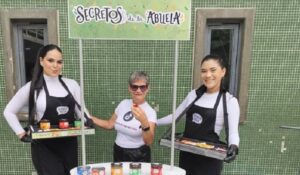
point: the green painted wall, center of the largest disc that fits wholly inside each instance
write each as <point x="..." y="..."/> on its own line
<point x="274" y="90"/>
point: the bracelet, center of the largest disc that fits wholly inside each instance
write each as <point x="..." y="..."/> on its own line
<point x="146" y="129"/>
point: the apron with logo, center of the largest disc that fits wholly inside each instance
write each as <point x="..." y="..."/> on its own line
<point x="200" y="125"/>
<point x="56" y="156"/>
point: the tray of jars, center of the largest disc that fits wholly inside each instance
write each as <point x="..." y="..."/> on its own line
<point x="64" y="129"/>
<point x="217" y="151"/>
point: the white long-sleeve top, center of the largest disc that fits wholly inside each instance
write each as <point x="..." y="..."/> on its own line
<point x="21" y="99"/>
<point x="208" y="100"/>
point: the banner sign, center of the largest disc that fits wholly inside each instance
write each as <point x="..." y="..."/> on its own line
<point x="129" y="19"/>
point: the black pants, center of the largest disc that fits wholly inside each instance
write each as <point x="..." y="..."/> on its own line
<point x="55" y="156"/>
<point x="195" y="164"/>
<point x="141" y="154"/>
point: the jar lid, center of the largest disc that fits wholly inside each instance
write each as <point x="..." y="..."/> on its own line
<point x="156" y="165"/>
<point x="98" y="168"/>
<point x="44" y="120"/>
<point x="116" y="164"/>
<point x="135" y="165"/>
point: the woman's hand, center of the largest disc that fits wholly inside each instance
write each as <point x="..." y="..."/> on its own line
<point x="140" y="115"/>
<point x="21" y="135"/>
<point x="232" y="151"/>
<point x="89" y="122"/>
<point x="24" y="137"/>
<point x="148" y="127"/>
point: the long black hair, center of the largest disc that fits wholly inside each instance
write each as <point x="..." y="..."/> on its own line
<point x="222" y="64"/>
<point x="38" y="78"/>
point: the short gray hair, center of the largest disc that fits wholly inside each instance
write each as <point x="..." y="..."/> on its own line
<point x="138" y="75"/>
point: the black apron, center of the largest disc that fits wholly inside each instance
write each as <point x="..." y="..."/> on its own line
<point x="200" y="125"/>
<point x="59" y="155"/>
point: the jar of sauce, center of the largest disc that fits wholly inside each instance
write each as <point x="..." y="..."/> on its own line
<point x="135" y="168"/>
<point x="116" y="168"/>
<point x="63" y="124"/>
<point x="98" y="171"/>
<point x="156" y="169"/>
<point x="45" y="124"/>
<point x="83" y="170"/>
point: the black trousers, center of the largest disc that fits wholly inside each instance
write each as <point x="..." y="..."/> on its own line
<point x="55" y="156"/>
<point x="195" y="164"/>
<point x="141" y="154"/>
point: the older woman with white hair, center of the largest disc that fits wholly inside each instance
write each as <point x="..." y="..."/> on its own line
<point x="134" y="120"/>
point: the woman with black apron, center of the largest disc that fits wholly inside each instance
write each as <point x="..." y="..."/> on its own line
<point x="201" y="130"/>
<point x="205" y="118"/>
<point x="57" y="155"/>
<point x="51" y="97"/>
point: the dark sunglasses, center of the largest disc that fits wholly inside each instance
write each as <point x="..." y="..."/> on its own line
<point x="143" y="88"/>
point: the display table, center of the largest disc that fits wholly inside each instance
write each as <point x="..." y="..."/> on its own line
<point x="146" y="169"/>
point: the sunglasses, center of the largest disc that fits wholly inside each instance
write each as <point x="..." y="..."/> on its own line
<point x="143" y="88"/>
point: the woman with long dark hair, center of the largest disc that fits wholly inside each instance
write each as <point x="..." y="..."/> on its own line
<point x="53" y="97"/>
<point x="205" y="118"/>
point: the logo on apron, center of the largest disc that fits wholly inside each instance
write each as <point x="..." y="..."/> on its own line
<point x="128" y="116"/>
<point x="197" y="118"/>
<point x="61" y="110"/>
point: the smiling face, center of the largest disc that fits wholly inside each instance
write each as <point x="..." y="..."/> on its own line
<point x="52" y="63"/>
<point x="138" y="91"/>
<point x="212" y="74"/>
